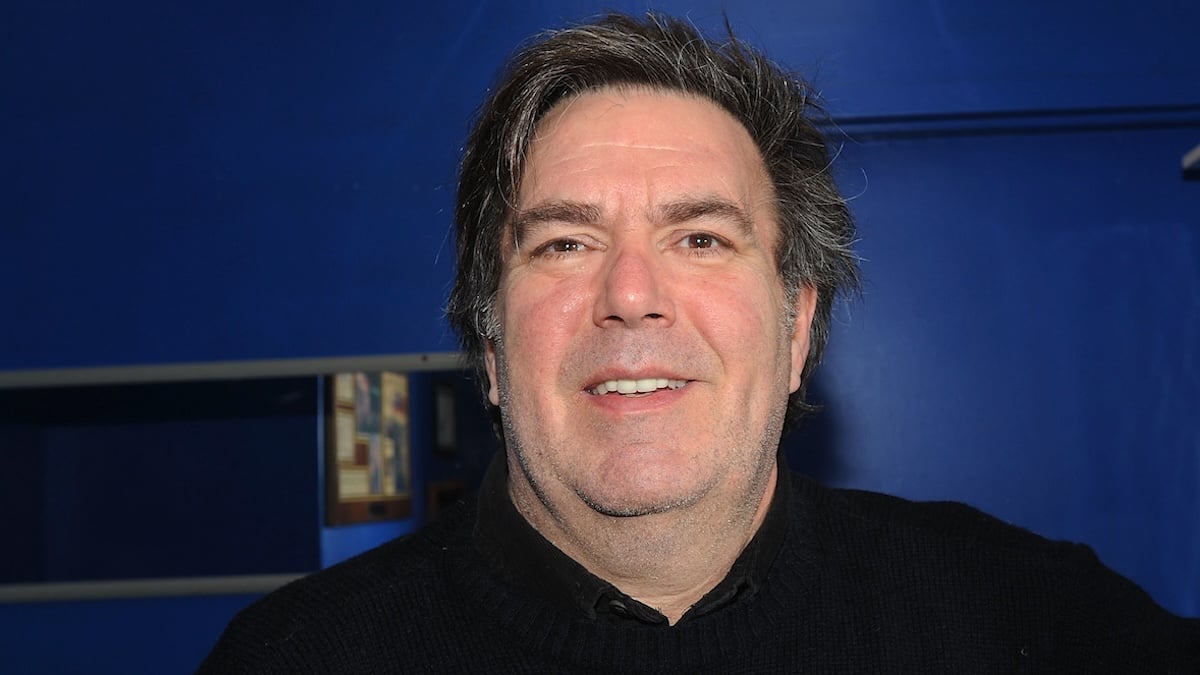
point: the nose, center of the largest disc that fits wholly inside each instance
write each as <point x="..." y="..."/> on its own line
<point x="633" y="291"/>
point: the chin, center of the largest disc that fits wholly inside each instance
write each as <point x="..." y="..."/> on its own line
<point x="634" y="503"/>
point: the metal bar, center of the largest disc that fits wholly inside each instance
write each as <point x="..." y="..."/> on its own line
<point x="918" y="126"/>
<point x="142" y="588"/>
<point x="226" y="370"/>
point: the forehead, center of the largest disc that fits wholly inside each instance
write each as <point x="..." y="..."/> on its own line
<point x="657" y="139"/>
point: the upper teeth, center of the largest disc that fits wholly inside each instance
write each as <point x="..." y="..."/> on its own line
<point x="637" y="386"/>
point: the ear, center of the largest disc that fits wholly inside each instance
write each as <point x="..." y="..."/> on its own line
<point x="806" y="306"/>
<point x="489" y="358"/>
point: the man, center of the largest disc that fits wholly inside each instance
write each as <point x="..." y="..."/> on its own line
<point x="649" y="244"/>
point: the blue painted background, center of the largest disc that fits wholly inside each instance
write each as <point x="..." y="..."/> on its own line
<point x="189" y="183"/>
<point x="162" y="480"/>
<point x="1031" y="344"/>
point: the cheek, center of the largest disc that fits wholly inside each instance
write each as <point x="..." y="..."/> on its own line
<point x="744" y="318"/>
<point x="540" y="320"/>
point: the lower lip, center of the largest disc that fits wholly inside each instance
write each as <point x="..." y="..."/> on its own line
<point x="625" y="405"/>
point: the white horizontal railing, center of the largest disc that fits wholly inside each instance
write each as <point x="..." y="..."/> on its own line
<point x="226" y="370"/>
<point x="143" y="588"/>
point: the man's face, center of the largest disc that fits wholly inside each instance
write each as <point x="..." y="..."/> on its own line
<point x="647" y="353"/>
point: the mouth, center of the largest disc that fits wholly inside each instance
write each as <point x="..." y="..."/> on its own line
<point x="640" y="387"/>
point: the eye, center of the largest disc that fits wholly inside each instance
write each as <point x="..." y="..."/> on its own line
<point x="703" y="244"/>
<point x="565" y="246"/>
<point x="700" y="240"/>
<point x="558" y="248"/>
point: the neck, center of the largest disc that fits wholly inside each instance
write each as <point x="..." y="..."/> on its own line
<point x="667" y="560"/>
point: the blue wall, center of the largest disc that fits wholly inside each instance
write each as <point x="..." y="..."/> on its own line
<point x="164" y="480"/>
<point x="203" y="479"/>
<point x="188" y="183"/>
<point x="151" y="635"/>
<point x="1027" y="340"/>
<point x="216" y="183"/>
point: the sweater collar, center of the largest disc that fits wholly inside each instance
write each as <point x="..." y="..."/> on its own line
<point x="522" y="557"/>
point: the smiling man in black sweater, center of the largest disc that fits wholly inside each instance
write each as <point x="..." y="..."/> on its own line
<point x="649" y="246"/>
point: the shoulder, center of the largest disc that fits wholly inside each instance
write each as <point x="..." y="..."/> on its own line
<point x="853" y="518"/>
<point x="950" y="523"/>
<point x="951" y="564"/>
<point x="364" y="598"/>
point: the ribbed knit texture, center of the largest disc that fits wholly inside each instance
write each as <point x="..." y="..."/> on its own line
<point x="864" y="584"/>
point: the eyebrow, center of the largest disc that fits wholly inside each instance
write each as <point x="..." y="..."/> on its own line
<point x="685" y="210"/>
<point x="569" y="212"/>
<point x="671" y="213"/>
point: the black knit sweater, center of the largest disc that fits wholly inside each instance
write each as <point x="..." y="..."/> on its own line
<point x="864" y="583"/>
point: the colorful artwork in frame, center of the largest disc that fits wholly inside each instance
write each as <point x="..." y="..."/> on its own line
<point x="368" y="448"/>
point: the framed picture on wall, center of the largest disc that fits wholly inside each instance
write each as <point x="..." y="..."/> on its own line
<point x="368" y="448"/>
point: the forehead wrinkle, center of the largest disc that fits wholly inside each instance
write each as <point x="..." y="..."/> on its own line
<point x="634" y="145"/>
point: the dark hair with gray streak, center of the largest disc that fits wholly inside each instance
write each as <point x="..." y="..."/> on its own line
<point x="664" y="54"/>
